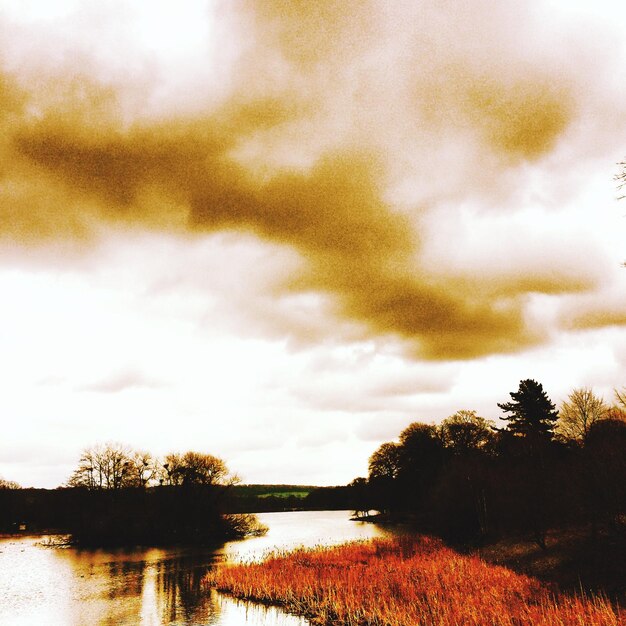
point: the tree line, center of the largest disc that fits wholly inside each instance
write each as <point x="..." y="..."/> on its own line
<point x="465" y="479"/>
<point x="120" y="496"/>
<point x="469" y="480"/>
<point x="116" y="466"/>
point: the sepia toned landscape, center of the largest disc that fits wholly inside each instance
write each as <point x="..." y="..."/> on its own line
<point x="403" y="582"/>
<point x="312" y="312"/>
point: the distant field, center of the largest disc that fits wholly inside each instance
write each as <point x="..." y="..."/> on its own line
<point x="275" y="491"/>
<point x="285" y="494"/>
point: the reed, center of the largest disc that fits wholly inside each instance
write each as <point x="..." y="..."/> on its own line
<point x="405" y="581"/>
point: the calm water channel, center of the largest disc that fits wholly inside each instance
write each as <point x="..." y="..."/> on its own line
<point x="42" y="586"/>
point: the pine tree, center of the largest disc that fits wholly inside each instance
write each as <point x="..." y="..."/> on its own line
<point x="531" y="422"/>
<point x="532" y="414"/>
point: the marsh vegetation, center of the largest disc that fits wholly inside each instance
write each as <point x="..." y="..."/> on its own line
<point x="405" y="581"/>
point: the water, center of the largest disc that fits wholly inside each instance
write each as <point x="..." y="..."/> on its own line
<point x="154" y="586"/>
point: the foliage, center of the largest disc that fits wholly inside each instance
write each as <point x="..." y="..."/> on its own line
<point x="9" y="484"/>
<point x="166" y="515"/>
<point x="265" y="498"/>
<point x="385" y="462"/>
<point x="245" y="525"/>
<point x="605" y="462"/>
<point x="403" y="582"/>
<point x="129" y="497"/>
<point x="421" y="460"/>
<point x="470" y="482"/>
<point x="465" y="432"/>
<point x="266" y="491"/>
<point x="116" y="466"/>
<point x="531" y="413"/>
<point x="197" y="468"/>
<point x="384" y="470"/>
<point x="285" y="494"/>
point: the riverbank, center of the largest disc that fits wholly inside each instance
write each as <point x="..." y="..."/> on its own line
<point x="152" y="585"/>
<point x="573" y="558"/>
<point x="405" y="581"/>
<point x="155" y="516"/>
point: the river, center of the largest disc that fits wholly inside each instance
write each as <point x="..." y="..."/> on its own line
<point x="43" y="586"/>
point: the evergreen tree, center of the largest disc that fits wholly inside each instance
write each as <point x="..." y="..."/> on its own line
<point x="532" y="414"/>
<point x="531" y="421"/>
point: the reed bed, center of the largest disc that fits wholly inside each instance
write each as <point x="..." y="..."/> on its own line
<point x="405" y="581"/>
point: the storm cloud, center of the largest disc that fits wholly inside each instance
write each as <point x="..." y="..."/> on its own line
<point x="337" y="130"/>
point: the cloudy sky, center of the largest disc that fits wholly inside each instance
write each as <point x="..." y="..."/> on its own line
<point x="279" y="232"/>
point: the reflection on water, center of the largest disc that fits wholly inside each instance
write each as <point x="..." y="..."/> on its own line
<point x="150" y="587"/>
<point x="301" y="528"/>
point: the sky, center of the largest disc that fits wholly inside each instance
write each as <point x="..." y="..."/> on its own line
<point x="280" y="232"/>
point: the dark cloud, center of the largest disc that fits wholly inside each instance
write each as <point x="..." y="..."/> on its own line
<point x="333" y="215"/>
<point x="597" y="317"/>
<point x="79" y="162"/>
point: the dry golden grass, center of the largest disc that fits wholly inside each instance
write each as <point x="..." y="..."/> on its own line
<point x="405" y="582"/>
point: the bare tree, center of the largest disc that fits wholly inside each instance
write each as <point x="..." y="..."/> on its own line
<point x="87" y="473"/>
<point x="579" y="412"/>
<point x="113" y="466"/>
<point x="142" y="469"/>
<point x="620" y="178"/>
<point x="116" y="461"/>
<point x="106" y="466"/>
<point x="620" y="396"/>
<point x="173" y="469"/>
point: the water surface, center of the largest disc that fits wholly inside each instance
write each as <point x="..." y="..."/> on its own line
<point x="151" y="586"/>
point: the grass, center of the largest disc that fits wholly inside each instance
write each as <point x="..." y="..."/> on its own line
<point x="405" y="581"/>
<point x="573" y="558"/>
<point x="284" y="494"/>
<point x="265" y="491"/>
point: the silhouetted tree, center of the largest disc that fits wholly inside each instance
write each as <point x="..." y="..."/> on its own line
<point x="107" y="466"/>
<point x="384" y="468"/>
<point x="605" y="452"/>
<point x="197" y="468"/>
<point x="360" y="496"/>
<point x="459" y="504"/>
<point x="458" y="501"/>
<point x="142" y="469"/>
<point x="531" y="413"/>
<point x="465" y="431"/>
<point x="532" y="417"/>
<point x="117" y="507"/>
<point x="421" y="460"/>
<point x="579" y="412"/>
<point x="385" y="462"/>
